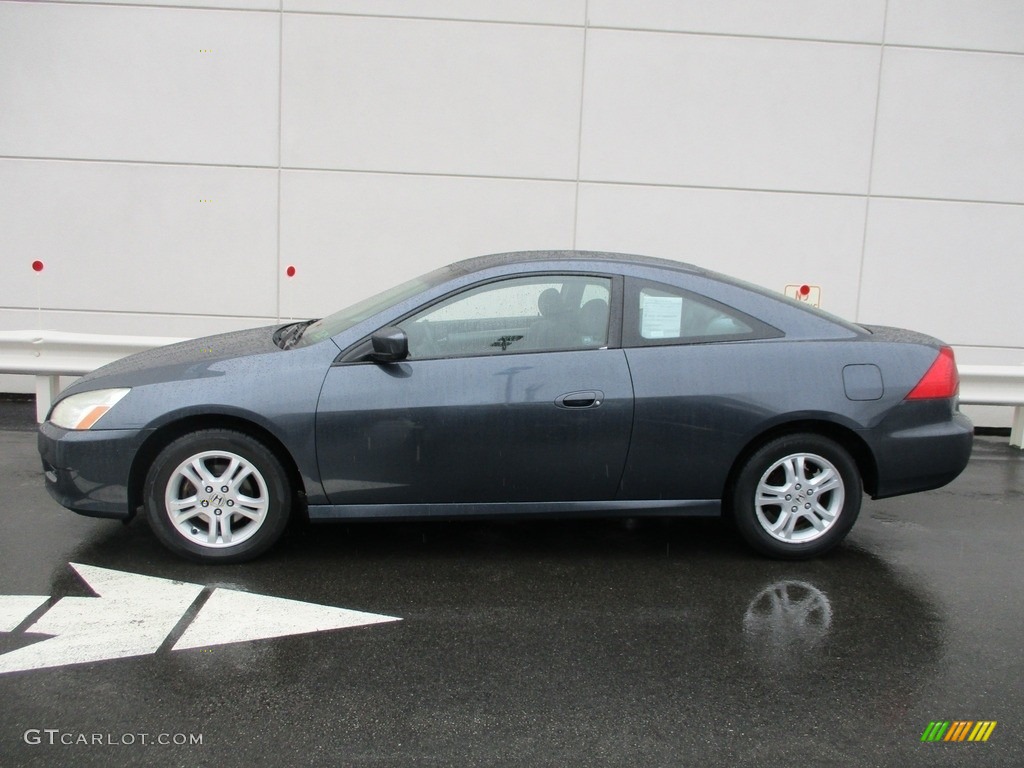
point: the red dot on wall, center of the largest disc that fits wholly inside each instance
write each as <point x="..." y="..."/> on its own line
<point x="804" y="290"/>
<point x="290" y="271"/>
<point x="37" y="266"/>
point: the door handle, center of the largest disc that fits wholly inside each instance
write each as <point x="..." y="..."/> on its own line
<point x="590" y="398"/>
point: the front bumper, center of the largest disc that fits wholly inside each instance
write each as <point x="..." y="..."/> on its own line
<point x="88" y="471"/>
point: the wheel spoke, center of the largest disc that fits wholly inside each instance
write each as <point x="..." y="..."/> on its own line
<point x="767" y="496"/>
<point x="820" y="510"/>
<point x="179" y="504"/>
<point x="779" y="602"/>
<point x="828" y="480"/>
<point x="791" y="525"/>
<point x="783" y="525"/>
<point x="220" y="530"/>
<point x="192" y="474"/>
<point x="796" y="470"/>
<point x="792" y="473"/>
<point x="257" y="506"/>
<point x="252" y="514"/>
<point x="184" y="515"/>
<point x="819" y="522"/>
<point x="203" y="471"/>
<point x="227" y="476"/>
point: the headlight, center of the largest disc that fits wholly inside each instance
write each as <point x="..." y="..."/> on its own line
<point x="82" y="411"/>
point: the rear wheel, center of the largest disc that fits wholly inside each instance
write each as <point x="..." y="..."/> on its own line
<point x="797" y="496"/>
<point x="217" y="496"/>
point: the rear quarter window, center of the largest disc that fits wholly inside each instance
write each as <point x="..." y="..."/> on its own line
<point x="658" y="314"/>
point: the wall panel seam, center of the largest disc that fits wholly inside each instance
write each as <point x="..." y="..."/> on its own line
<point x="531" y="179"/>
<point x="871" y="165"/>
<point x="507" y="22"/>
<point x="280" y="122"/>
<point x="579" y="126"/>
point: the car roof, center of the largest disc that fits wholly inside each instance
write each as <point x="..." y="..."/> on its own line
<point x="480" y="263"/>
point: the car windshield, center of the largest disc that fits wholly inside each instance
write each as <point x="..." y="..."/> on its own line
<point x="344" y="319"/>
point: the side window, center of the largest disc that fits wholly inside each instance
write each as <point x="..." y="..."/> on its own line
<point x="662" y="314"/>
<point x="525" y="314"/>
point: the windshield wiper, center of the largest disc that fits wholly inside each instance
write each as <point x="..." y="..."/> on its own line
<point x="289" y="337"/>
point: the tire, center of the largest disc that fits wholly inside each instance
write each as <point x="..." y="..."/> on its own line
<point x="217" y="496"/>
<point x="796" y="497"/>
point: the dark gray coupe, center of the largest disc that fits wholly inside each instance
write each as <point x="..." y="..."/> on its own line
<point x="530" y="384"/>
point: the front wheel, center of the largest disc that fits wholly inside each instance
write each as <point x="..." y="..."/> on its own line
<point x="217" y="496"/>
<point x="797" y="496"/>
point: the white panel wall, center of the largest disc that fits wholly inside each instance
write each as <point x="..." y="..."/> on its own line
<point x="430" y="97"/>
<point x="127" y="83"/>
<point x="839" y="20"/>
<point x="139" y="238"/>
<point x="350" y="235"/>
<point x="956" y="268"/>
<point x="980" y="25"/>
<point x="696" y="110"/>
<point x="949" y="126"/>
<point x="169" y="159"/>
<point x="257" y="5"/>
<point x="520" y="11"/>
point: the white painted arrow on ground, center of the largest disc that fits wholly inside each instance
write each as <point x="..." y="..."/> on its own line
<point x="14" y="609"/>
<point x="234" y="617"/>
<point x="134" y="614"/>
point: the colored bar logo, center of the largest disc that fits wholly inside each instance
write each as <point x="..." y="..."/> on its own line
<point x="958" y="730"/>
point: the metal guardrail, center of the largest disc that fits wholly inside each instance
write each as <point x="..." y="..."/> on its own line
<point x="48" y="355"/>
<point x="996" y="385"/>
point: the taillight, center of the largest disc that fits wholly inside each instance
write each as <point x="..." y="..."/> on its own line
<point x="940" y="381"/>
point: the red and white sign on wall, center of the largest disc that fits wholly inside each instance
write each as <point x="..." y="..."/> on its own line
<point x="809" y="294"/>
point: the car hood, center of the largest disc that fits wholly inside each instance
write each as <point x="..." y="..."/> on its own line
<point x="187" y="359"/>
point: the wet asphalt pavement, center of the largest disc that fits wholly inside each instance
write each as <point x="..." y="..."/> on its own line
<point x="661" y="642"/>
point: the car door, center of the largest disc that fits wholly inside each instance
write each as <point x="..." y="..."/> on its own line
<point x="514" y="391"/>
<point x="701" y="378"/>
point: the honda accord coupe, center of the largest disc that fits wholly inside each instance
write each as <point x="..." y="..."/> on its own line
<point x="554" y="383"/>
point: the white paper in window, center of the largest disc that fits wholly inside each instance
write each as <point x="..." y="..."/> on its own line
<point x="662" y="316"/>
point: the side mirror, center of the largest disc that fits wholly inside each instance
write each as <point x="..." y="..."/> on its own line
<point x="390" y="345"/>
